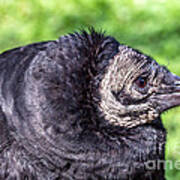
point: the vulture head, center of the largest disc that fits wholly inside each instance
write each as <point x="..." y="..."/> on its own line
<point x="135" y="89"/>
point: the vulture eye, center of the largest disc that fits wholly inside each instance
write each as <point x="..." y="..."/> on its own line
<point x="141" y="82"/>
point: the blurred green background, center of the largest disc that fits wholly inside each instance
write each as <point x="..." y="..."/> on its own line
<point x="149" y="25"/>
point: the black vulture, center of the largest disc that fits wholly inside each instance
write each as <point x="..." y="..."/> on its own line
<point x="83" y="107"/>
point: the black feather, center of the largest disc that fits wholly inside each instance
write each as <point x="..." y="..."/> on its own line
<point x="50" y="127"/>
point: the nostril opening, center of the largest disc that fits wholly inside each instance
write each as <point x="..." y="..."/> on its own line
<point x="177" y="83"/>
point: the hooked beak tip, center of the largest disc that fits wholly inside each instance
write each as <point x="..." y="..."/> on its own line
<point x="171" y="98"/>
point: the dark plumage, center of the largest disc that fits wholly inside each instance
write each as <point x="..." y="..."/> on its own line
<point x="83" y="107"/>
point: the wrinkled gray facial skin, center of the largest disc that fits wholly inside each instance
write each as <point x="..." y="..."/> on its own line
<point x="136" y="89"/>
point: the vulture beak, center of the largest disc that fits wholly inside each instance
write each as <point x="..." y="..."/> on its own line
<point x="170" y="94"/>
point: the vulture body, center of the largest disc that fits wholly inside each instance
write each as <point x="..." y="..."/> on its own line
<point x="83" y="107"/>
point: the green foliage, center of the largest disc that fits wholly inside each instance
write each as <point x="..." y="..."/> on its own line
<point x="151" y="26"/>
